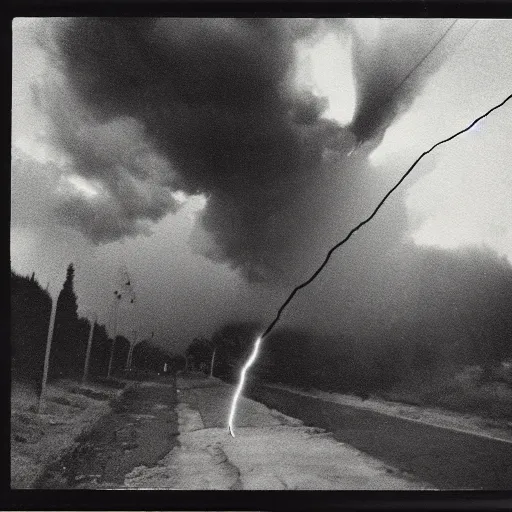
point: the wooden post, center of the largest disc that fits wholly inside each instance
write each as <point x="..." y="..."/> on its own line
<point x="111" y="355"/>
<point x="47" y="356"/>
<point x="128" y="357"/>
<point x="131" y="356"/>
<point x="213" y="361"/>
<point x="88" y="354"/>
<point x="130" y="351"/>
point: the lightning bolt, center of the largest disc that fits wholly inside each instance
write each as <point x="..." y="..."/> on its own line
<point x="337" y="246"/>
<point x="249" y="362"/>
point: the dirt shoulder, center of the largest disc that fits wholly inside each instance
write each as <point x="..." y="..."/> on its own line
<point x="37" y="440"/>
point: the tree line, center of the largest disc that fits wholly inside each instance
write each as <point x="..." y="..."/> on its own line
<point x="461" y="317"/>
<point x="30" y="317"/>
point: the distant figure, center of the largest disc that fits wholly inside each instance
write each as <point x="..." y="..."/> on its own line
<point x="165" y="368"/>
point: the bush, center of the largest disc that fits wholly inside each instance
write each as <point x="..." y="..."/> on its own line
<point x="30" y="318"/>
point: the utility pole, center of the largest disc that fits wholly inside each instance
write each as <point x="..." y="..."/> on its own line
<point x="133" y="342"/>
<point x="47" y="356"/>
<point x="132" y="349"/>
<point x="88" y="354"/>
<point x="116" y="307"/>
<point x="127" y="288"/>
<point x="213" y="361"/>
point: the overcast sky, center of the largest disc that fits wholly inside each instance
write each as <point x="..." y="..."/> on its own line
<point x="217" y="160"/>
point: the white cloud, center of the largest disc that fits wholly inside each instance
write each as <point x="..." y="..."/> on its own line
<point x="82" y="186"/>
<point x="325" y="68"/>
<point x="465" y="199"/>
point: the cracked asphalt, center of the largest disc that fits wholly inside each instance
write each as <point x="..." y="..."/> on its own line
<point x="140" y="430"/>
<point x="447" y="459"/>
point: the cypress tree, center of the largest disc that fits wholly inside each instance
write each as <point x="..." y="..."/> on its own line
<point x="67" y="306"/>
<point x="65" y="361"/>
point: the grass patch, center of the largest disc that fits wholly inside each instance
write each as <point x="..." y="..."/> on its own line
<point x="462" y="392"/>
<point x="492" y="400"/>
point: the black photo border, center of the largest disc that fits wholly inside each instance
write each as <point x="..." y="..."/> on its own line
<point x="13" y="499"/>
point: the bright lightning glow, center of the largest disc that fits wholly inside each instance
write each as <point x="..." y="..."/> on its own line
<point x="325" y="69"/>
<point x="241" y="384"/>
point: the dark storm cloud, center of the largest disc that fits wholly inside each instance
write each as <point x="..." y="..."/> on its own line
<point x="207" y="106"/>
<point x="128" y="184"/>
<point x="212" y="101"/>
<point x="213" y="97"/>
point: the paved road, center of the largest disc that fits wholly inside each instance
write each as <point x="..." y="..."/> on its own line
<point x="447" y="459"/>
<point x="141" y="429"/>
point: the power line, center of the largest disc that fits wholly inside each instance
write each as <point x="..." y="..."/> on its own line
<point x="430" y="52"/>
<point x="422" y="60"/>
<point x="361" y="224"/>
<point x="467" y="33"/>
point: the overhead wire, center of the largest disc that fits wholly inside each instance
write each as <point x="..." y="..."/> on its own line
<point x="368" y="219"/>
<point x="361" y="224"/>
